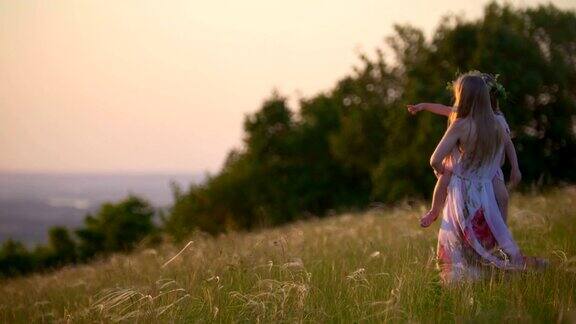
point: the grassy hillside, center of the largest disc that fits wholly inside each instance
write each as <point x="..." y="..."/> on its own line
<point x="370" y="267"/>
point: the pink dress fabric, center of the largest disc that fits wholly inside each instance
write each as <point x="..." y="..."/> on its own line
<point x="473" y="235"/>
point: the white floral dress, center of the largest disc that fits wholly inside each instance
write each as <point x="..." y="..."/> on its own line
<point x="473" y="235"/>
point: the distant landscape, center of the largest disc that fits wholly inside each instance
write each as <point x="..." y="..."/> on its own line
<point x="30" y="203"/>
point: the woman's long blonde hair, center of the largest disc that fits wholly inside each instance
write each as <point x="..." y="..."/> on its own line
<point x="472" y="99"/>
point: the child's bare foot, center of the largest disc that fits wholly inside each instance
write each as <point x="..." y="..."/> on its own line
<point x="428" y="218"/>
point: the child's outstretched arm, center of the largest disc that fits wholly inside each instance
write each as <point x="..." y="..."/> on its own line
<point x="434" y="108"/>
<point x="515" y="175"/>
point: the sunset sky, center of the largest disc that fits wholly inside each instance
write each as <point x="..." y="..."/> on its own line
<point x="163" y="86"/>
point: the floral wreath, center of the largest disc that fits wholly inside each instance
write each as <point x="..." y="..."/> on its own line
<point x="491" y="81"/>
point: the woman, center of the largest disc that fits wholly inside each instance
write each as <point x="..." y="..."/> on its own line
<point x="473" y="234"/>
<point x="496" y="91"/>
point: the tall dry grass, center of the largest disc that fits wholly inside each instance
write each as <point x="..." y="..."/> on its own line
<point x="371" y="267"/>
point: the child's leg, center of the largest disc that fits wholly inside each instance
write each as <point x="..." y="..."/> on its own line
<point x="501" y="194"/>
<point x="438" y="200"/>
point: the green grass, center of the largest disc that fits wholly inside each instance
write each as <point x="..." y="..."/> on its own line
<point x="371" y="267"/>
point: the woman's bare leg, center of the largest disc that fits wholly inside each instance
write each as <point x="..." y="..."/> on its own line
<point x="438" y="200"/>
<point x="501" y="194"/>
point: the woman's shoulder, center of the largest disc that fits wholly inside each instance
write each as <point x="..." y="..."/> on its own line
<point x="502" y="121"/>
<point x="499" y="114"/>
<point x="500" y="118"/>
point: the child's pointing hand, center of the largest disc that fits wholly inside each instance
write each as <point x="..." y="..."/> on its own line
<point x="414" y="109"/>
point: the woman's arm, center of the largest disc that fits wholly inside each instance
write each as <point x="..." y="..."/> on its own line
<point x="434" y="108"/>
<point x="447" y="143"/>
<point x="515" y="175"/>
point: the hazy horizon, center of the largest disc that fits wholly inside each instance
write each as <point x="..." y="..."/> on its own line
<point x="32" y="203"/>
<point x="148" y="87"/>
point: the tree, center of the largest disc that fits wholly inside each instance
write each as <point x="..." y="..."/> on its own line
<point x="15" y="259"/>
<point x="62" y="246"/>
<point x="116" y="227"/>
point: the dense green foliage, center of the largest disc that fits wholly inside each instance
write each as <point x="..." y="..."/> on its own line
<point x="116" y="227"/>
<point x="355" y="144"/>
